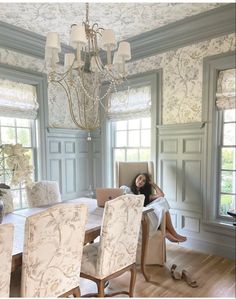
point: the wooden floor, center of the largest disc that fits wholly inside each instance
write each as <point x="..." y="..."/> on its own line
<point x="215" y="276"/>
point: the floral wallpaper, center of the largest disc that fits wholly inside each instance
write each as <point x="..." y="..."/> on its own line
<point x="182" y="80"/>
<point x="182" y="77"/>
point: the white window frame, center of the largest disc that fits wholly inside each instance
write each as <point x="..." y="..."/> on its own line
<point x="211" y="220"/>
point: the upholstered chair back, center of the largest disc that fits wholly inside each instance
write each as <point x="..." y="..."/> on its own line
<point x="119" y="234"/>
<point x="6" y="243"/>
<point x="53" y="249"/>
<point x="7" y="198"/>
<point x="126" y="171"/>
<point x="43" y="193"/>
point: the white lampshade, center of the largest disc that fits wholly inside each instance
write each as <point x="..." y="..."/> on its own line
<point x="69" y="59"/>
<point x="52" y="41"/>
<point x="108" y="40"/>
<point x="124" y="50"/>
<point x="117" y="59"/>
<point x="77" y="36"/>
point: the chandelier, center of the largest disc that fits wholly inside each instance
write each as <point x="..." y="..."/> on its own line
<point x="93" y="62"/>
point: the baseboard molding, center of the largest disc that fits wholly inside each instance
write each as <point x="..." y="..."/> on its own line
<point x="219" y="249"/>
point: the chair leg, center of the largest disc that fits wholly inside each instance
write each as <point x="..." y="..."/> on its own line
<point x="76" y="292"/>
<point x="100" y="286"/>
<point x="132" y="281"/>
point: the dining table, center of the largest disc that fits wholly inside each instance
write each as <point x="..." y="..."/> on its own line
<point x="92" y="228"/>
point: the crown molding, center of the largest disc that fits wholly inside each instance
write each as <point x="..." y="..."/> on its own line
<point x="216" y="22"/>
<point x="207" y="25"/>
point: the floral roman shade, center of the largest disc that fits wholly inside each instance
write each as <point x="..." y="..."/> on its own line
<point x="130" y="103"/>
<point x="18" y="100"/>
<point x="226" y="89"/>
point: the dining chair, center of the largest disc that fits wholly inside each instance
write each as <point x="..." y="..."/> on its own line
<point x="6" y="243"/>
<point x="115" y="253"/>
<point x="156" y="245"/>
<point x="52" y="253"/>
<point x="43" y="193"/>
<point x="7" y="198"/>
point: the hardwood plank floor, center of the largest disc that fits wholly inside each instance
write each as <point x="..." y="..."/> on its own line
<point x="215" y="276"/>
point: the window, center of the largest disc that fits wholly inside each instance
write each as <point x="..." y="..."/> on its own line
<point x="18" y="113"/>
<point x="225" y="103"/>
<point x="12" y="131"/>
<point x="132" y="140"/>
<point x="219" y="104"/>
<point x="227" y="167"/>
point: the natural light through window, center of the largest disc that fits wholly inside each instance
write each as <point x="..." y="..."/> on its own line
<point x="12" y="131"/>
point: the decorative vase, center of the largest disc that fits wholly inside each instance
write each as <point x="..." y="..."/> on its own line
<point x="1" y="210"/>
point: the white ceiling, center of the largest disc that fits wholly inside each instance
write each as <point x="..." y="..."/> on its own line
<point x="126" y="19"/>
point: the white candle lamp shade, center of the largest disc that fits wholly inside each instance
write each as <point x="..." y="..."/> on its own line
<point x="108" y="40"/>
<point x="117" y="59"/>
<point x="124" y="50"/>
<point x="69" y="59"/>
<point x="52" y="41"/>
<point x="77" y="36"/>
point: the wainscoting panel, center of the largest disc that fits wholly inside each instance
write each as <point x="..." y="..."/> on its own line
<point x="70" y="161"/>
<point x="168" y="176"/>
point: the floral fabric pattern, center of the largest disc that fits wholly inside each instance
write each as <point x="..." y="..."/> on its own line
<point x="119" y="237"/>
<point x="43" y="193"/>
<point x="52" y="250"/>
<point x="6" y="243"/>
<point x="7" y="200"/>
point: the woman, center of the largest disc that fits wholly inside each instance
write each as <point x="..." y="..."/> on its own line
<point x="142" y="184"/>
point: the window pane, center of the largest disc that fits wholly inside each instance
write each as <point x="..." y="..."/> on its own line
<point x="144" y="155"/>
<point x="16" y="199"/>
<point x="228" y="158"/>
<point x="229" y="134"/>
<point x="134" y="124"/>
<point x="121" y="125"/>
<point x="132" y="155"/>
<point x="227" y="202"/>
<point x="145" y="138"/>
<point x="121" y="138"/>
<point x="146" y="123"/>
<point x="228" y="181"/>
<point x="119" y="155"/>
<point x="230" y="115"/>
<point x="23" y="122"/>
<point x="134" y="138"/>
<point x="23" y="137"/>
<point x="8" y="135"/>
<point x="24" y="198"/>
<point x="7" y="121"/>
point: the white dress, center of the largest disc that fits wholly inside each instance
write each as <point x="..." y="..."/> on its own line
<point x="160" y="207"/>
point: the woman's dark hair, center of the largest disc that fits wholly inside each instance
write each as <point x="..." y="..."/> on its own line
<point x="146" y="190"/>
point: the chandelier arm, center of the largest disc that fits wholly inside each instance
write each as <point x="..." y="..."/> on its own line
<point x="70" y="104"/>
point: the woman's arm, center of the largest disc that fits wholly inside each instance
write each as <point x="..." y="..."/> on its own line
<point x="158" y="192"/>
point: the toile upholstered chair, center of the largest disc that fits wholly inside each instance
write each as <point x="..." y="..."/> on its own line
<point x="156" y="247"/>
<point x="7" y="198"/>
<point x="43" y="193"/>
<point x="52" y="252"/>
<point x="115" y="253"/>
<point x="6" y="243"/>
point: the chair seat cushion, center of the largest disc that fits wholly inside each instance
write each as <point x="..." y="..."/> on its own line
<point x="89" y="259"/>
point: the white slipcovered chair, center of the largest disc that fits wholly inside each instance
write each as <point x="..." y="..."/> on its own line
<point x="53" y="248"/>
<point x="115" y="253"/>
<point x="6" y="243"/>
<point x="156" y="246"/>
<point x="43" y="193"/>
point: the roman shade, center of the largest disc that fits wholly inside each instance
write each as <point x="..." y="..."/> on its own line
<point x="18" y="100"/>
<point x="131" y="103"/>
<point x="226" y="89"/>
